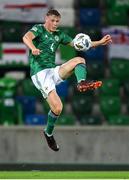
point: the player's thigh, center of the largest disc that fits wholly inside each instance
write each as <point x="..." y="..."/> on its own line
<point x="67" y="68"/>
<point x="54" y="102"/>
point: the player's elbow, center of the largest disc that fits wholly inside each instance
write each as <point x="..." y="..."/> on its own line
<point x="24" y="38"/>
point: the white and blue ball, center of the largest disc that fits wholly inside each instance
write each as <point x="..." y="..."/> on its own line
<point x="82" y="42"/>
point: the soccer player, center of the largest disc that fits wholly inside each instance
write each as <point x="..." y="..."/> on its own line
<point x="43" y="41"/>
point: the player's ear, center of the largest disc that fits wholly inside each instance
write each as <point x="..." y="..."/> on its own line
<point x="46" y="18"/>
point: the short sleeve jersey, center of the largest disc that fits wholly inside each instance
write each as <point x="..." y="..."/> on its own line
<point x="48" y="43"/>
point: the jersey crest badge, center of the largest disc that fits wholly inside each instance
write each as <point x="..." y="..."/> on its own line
<point x="57" y="38"/>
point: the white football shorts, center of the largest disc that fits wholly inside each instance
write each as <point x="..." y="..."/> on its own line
<point x="46" y="80"/>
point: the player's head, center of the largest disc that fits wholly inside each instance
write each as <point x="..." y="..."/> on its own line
<point x="52" y="20"/>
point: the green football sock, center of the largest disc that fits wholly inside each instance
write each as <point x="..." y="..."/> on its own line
<point x="80" y="72"/>
<point x="50" y="123"/>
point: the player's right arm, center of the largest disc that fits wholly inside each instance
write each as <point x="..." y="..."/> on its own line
<point x="28" y="40"/>
<point x="103" y="41"/>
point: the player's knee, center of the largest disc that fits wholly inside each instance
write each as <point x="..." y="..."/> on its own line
<point x="80" y="60"/>
<point x="58" y="109"/>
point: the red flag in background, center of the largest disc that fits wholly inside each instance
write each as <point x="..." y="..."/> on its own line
<point x="23" y="11"/>
<point x="120" y="45"/>
<point x="14" y="52"/>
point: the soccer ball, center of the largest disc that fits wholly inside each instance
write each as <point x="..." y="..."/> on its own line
<point x="82" y="42"/>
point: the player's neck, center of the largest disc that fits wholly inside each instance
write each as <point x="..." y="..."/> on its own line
<point x="47" y="29"/>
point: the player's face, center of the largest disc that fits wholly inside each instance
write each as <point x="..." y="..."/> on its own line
<point x="52" y="22"/>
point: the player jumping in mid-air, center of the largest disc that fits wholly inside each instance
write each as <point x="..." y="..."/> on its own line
<point x="43" y="41"/>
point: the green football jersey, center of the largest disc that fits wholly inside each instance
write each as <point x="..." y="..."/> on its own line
<point x="48" y="43"/>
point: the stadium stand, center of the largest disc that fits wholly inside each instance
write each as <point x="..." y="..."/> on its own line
<point x="117" y="16"/>
<point x="35" y="119"/>
<point x="111" y="87"/>
<point x="11" y="31"/>
<point x="110" y="105"/>
<point x="90" y="17"/>
<point x="119" y="120"/>
<point x="120" y="69"/>
<point x="91" y="120"/>
<point x="88" y="4"/>
<point x="66" y="120"/>
<point x="11" y="112"/>
<point x="85" y="16"/>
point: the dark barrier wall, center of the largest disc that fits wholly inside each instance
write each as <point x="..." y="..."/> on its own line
<point x="79" y="145"/>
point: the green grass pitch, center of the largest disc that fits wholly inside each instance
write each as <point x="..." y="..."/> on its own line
<point x="64" y="175"/>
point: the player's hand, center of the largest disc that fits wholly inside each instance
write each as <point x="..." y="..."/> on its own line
<point x="36" y="51"/>
<point x="106" y="40"/>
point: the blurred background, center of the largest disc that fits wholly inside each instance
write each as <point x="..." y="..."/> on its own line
<point x="93" y="127"/>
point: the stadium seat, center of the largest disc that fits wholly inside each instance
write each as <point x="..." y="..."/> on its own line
<point x="117" y="4"/>
<point x="66" y="120"/>
<point x="35" y="119"/>
<point x="117" y="16"/>
<point x="110" y="105"/>
<point x="110" y="3"/>
<point x="95" y="70"/>
<point x="1" y="104"/>
<point x="11" y="112"/>
<point x="126" y="88"/>
<point x="8" y="87"/>
<point x="28" y="104"/>
<point x="6" y="93"/>
<point x="94" y="33"/>
<point x="89" y="3"/>
<point x="62" y="89"/>
<point x="1" y="92"/>
<point x="90" y="17"/>
<point x="29" y="89"/>
<point x="7" y="82"/>
<point x="45" y="107"/>
<point x="82" y="105"/>
<point x="118" y="120"/>
<point x="1" y="49"/>
<point x="94" y="54"/>
<point x="72" y="80"/>
<point x="15" y="74"/>
<point x="119" y="69"/>
<point x="11" y="31"/>
<point x="127" y="101"/>
<point x="110" y="87"/>
<point x="90" y="120"/>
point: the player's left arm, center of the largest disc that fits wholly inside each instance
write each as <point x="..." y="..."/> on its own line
<point x="104" y="41"/>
